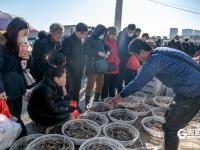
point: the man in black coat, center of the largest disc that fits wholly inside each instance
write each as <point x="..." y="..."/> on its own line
<point x="44" y="50"/>
<point x="73" y="49"/>
<point x="124" y="38"/>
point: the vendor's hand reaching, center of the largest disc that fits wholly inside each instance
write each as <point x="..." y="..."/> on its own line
<point x="114" y="102"/>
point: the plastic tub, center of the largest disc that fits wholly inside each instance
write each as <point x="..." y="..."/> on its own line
<point x="112" y="144"/>
<point x="162" y="101"/>
<point x="100" y="119"/>
<point x="56" y="129"/>
<point x="123" y="112"/>
<point x="158" y="111"/>
<point x="22" y="143"/>
<point x="77" y="125"/>
<point x="99" y="107"/>
<point x="123" y="126"/>
<point x="142" y="109"/>
<point x="131" y="101"/>
<point x="149" y="101"/>
<point x="152" y="132"/>
<point x="52" y="138"/>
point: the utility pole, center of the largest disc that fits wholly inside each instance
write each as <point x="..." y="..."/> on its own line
<point x="118" y="14"/>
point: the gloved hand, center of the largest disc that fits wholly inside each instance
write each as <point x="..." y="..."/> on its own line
<point x="71" y="109"/>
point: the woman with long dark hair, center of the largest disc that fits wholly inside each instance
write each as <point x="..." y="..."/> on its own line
<point x="12" y="82"/>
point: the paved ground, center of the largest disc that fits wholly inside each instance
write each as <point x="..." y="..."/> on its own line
<point x="145" y="138"/>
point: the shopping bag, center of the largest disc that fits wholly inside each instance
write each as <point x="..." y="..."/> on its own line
<point x="4" y="109"/>
<point x="133" y="63"/>
<point x="75" y="114"/>
<point x="9" y="131"/>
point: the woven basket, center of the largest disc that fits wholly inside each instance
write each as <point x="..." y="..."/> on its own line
<point x="164" y="101"/>
<point x="103" y="118"/>
<point x="36" y="144"/>
<point x="89" y="123"/>
<point x="130" y="128"/>
<point x="130" y="113"/>
<point x="150" y="131"/>
<point x="22" y="143"/>
<point x="113" y="144"/>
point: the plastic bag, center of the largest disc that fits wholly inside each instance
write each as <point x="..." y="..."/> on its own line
<point x="9" y="131"/>
<point x="75" y="114"/>
<point x="133" y="63"/>
<point x="4" y="109"/>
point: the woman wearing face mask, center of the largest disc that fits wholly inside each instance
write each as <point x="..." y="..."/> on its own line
<point x="111" y="77"/>
<point x="49" y="103"/>
<point x="12" y="83"/>
<point x="95" y="49"/>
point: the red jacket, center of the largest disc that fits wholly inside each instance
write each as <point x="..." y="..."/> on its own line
<point x="113" y="58"/>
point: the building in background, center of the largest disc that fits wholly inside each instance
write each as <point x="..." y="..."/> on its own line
<point x="173" y="32"/>
<point x="187" y="33"/>
<point x="196" y="32"/>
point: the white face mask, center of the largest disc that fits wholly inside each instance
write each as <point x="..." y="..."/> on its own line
<point x="101" y="37"/>
<point x="22" y="39"/>
<point x="130" y="34"/>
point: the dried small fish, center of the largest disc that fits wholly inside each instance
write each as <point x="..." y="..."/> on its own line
<point x="160" y="112"/>
<point x="123" y="116"/>
<point x="140" y="108"/>
<point x="53" y="145"/>
<point x="163" y="101"/>
<point x="97" y="146"/>
<point x="80" y="130"/>
<point x="101" y="107"/>
<point x="55" y="129"/>
<point x="154" y="125"/>
<point x="23" y="145"/>
<point x="121" y="134"/>
<point x="93" y="117"/>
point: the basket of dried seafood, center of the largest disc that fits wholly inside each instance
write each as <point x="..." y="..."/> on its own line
<point x="102" y="143"/>
<point x="153" y="125"/>
<point x="107" y="99"/>
<point x="122" y="132"/>
<point x="22" y="143"/>
<point x="100" y="119"/>
<point x="162" y="101"/>
<point x="123" y="115"/>
<point x="56" y="129"/>
<point x="149" y="101"/>
<point x="130" y="101"/>
<point x="142" y="109"/>
<point x="158" y="111"/>
<point x="140" y="94"/>
<point x="51" y="142"/>
<point x="99" y="107"/>
<point x="81" y="130"/>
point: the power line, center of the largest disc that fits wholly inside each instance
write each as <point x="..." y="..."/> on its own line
<point x="175" y="7"/>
